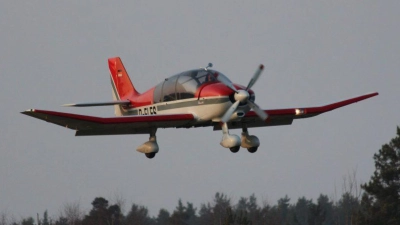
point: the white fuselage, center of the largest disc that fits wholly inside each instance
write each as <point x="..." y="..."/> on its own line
<point x="203" y="109"/>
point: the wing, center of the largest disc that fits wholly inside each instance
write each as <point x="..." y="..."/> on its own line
<point x="278" y="117"/>
<point x="90" y="125"/>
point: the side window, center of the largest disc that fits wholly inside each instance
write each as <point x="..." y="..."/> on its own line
<point x="157" y="93"/>
<point x="168" y="89"/>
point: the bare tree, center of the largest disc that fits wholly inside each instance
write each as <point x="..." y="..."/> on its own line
<point x="73" y="213"/>
<point x="119" y="201"/>
<point x="349" y="203"/>
<point x="351" y="185"/>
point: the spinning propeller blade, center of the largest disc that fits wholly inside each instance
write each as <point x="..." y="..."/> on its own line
<point x="263" y="115"/>
<point x="255" y="77"/>
<point x="242" y="96"/>
<point x="230" y="112"/>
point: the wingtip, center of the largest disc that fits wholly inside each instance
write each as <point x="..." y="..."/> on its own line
<point x="28" y="111"/>
<point x="368" y="95"/>
<point x="372" y="94"/>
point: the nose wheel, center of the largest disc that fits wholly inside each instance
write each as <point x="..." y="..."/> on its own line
<point x="252" y="149"/>
<point x="250" y="142"/>
<point x="233" y="142"/>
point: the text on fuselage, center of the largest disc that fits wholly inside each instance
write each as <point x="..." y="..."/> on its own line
<point x="148" y="111"/>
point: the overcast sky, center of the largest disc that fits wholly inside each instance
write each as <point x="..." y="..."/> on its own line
<point x="314" y="52"/>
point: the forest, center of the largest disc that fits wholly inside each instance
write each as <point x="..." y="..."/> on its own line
<point x="374" y="202"/>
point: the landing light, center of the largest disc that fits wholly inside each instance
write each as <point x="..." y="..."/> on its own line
<point x="299" y="111"/>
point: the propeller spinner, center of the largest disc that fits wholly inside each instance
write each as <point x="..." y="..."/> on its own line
<point x="242" y="96"/>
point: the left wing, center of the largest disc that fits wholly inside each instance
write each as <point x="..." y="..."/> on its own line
<point x="277" y="117"/>
<point x="90" y="125"/>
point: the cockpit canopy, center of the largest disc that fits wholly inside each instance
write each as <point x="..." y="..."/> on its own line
<point x="185" y="85"/>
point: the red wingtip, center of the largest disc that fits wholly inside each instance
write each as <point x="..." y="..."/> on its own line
<point x="261" y="66"/>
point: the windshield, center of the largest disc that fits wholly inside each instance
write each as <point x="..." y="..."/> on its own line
<point x="185" y="85"/>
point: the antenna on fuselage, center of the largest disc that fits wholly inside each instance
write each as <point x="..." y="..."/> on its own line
<point x="208" y="66"/>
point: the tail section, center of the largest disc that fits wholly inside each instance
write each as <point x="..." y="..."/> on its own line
<point x="123" y="88"/>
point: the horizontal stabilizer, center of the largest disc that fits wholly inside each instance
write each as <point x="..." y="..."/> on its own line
<point x="119" y="102"/>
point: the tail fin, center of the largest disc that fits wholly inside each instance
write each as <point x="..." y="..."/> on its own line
<point x="122" y="85"/>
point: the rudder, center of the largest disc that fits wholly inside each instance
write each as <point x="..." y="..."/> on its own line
<point x="122" y="85"/>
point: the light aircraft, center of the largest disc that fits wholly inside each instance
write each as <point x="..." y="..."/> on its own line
<point x="196" y="98"/>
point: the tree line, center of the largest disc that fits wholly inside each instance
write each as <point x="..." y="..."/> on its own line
<point x="374" y="202"/>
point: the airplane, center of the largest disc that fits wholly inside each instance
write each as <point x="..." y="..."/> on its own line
<point x="195" y="98"/>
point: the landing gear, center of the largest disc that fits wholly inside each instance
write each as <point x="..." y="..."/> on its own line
<point x="234" y="149"/>
<point x="230" y="141"/>
<point x="150" y="148"/>
<point x="252" y="149"/>
<point x="233" y="142"/>
<point x="150" y="155"/>
<point x="250" y="142"/>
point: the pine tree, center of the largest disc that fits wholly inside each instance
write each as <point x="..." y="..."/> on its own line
<point x="45" y="220"/>
<point x="138" y="215"/>
<point x="381" y="201"/>
<point x="102" y="214"/>
<point x="163" y="217"/>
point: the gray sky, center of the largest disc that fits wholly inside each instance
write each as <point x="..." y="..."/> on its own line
<point x="314" y="52"/>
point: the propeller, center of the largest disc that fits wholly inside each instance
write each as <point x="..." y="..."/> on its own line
<point x="242" y="96"/>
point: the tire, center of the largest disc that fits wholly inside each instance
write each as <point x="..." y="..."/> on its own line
<point x="150" y="155"/>
<point x="235" y="149"/>
<point x="252" y="149"/>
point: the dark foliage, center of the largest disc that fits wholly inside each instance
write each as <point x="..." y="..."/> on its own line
<point x="380" y="204"/>
<point x="381" y="200"/>
<point x="220" y="211"/>
<point x="102" y="214"/>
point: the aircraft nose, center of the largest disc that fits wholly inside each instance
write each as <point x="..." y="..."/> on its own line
<point x="215" y="90"/>
<point x="220" y="89"/>
<point x="242" y="96"/>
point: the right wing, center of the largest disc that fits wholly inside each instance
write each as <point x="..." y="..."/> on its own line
<point x="278" y="117"/>
<point x="90" y="125"/>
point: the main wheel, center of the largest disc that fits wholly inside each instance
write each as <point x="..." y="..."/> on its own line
<point x="252" y="149"/>
<point x="235" y="149"/>
<point x="150" y="155"/>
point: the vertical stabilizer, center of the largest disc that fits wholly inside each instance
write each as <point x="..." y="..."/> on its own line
<point x="122" y="86"/>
